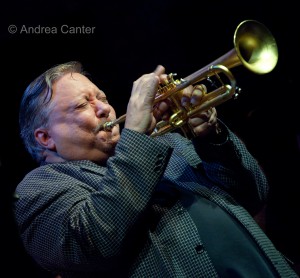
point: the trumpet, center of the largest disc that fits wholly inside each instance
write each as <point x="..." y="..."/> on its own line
<point x="254" y="47"/>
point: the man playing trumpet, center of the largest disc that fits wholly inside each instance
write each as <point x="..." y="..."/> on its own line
<point x="111" y="203"/>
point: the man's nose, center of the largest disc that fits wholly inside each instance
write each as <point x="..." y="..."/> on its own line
<point x="102" y="109"/>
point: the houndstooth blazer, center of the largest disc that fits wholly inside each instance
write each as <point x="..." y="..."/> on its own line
<point x="79" y="219"/>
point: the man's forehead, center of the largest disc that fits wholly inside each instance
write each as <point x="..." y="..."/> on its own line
<point x="72" y="80"/>
<point x="76" y="82"/>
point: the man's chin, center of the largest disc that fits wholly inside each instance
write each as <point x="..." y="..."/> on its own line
<point x="114" y="139"/>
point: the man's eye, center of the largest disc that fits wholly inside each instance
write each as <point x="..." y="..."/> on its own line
<point x="102" y="98"/>
<point x="81" y="105"/>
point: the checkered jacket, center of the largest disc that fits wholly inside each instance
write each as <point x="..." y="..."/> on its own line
<point x="80" y="219"/>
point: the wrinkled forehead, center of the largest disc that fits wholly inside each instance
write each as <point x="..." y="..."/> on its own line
<point x="74" y="85"/>
<point x="71" y="81"/>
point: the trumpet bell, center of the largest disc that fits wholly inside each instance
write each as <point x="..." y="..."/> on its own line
<point x="255" y="46"/>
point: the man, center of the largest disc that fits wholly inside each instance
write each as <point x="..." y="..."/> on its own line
<point x="105" y="204"/>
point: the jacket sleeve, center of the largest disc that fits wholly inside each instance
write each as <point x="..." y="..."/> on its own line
<point x="83" y="220"/>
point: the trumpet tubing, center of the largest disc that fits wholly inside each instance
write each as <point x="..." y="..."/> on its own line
<point x="254" y="47"/>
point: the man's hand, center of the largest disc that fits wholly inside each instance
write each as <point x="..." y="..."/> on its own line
<point x="139" y="116"/>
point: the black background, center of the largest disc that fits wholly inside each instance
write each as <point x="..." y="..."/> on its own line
<point x="131" y="38"/>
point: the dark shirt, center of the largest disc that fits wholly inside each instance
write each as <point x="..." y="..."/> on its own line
<point x="228" y="244"/>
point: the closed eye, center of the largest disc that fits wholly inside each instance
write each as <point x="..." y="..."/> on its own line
<point x="82" y="105"/>
<point x="102" y="97"/>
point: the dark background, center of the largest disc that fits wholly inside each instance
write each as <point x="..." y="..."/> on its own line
<point x="131" y="38"/>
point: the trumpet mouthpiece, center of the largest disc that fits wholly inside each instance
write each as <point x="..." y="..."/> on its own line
<point x="108" y="126"/>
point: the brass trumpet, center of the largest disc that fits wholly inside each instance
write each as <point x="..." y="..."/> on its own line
<point x="254" y="47"/>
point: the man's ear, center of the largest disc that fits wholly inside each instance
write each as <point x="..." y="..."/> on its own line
<point x="44" y="139"/>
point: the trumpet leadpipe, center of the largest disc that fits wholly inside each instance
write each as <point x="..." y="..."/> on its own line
<point x="107" y="126"/>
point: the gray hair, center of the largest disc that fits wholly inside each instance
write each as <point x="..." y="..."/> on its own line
<point x="35" y="102"/>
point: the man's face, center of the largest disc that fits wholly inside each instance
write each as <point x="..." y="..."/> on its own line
<point x="77" y="108"/>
